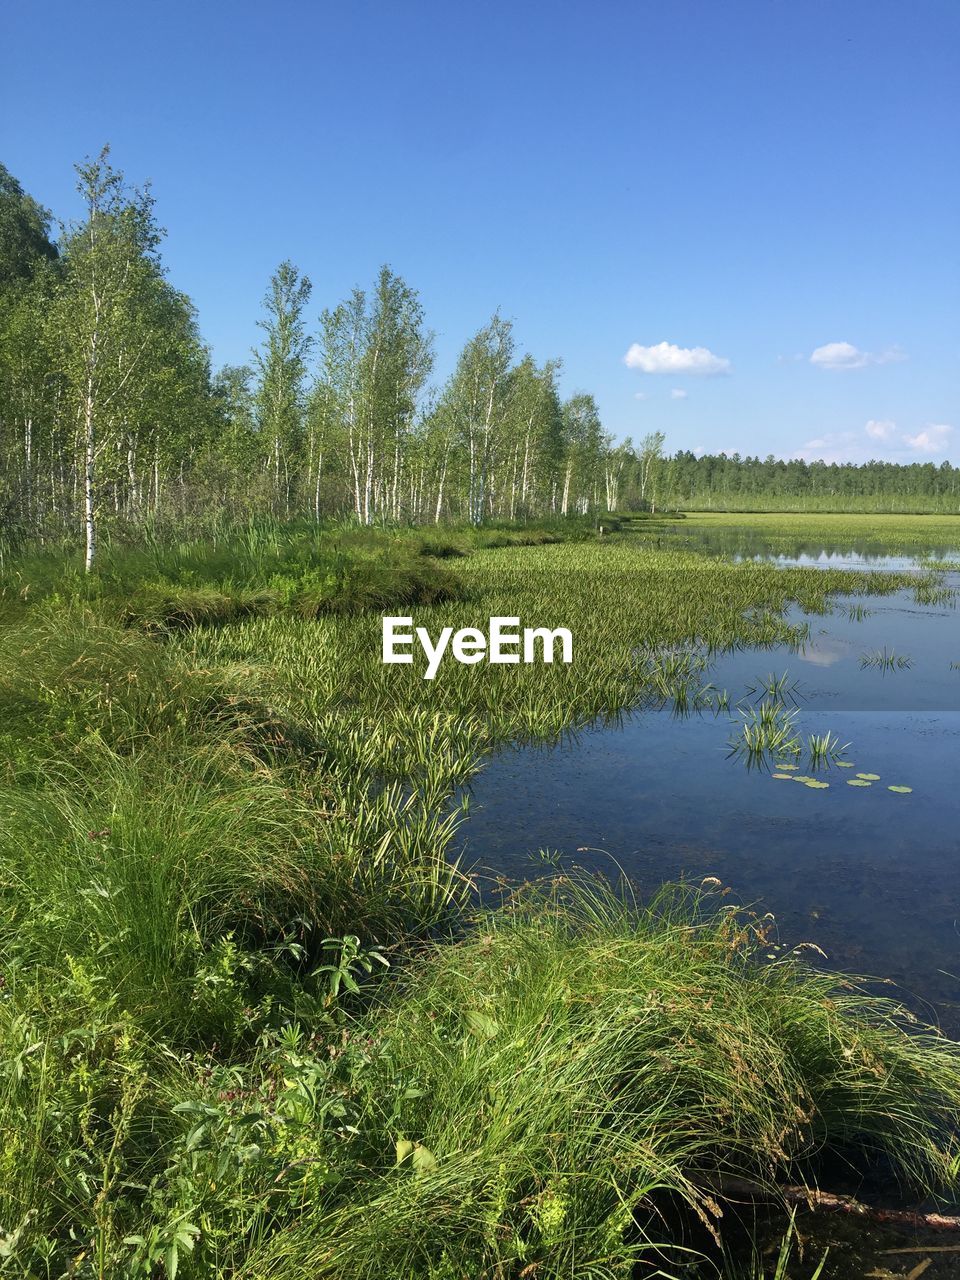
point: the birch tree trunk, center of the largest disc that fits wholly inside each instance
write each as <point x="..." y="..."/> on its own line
<point x="89" y="449"/>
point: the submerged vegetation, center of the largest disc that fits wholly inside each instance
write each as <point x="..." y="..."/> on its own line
<point x="253" y="1022"/>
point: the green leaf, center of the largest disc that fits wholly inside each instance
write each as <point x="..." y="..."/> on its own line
<point x="424" y="1161"/>
<point x="403" y="1148"/>
<point x="481" y="1024"/>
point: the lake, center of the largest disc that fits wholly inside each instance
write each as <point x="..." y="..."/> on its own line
<point x="869" y="875"/>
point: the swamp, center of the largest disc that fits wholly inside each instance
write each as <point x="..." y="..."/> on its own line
<point x="313" y="967"/>
<point x="479" y="642"/>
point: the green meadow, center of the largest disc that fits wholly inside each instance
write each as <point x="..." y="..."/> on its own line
<point x="894" y="533"/>
<point x="255" y="1021"/>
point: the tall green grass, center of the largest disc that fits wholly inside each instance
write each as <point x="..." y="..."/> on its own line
<point x="536" y="1094"/>
<point x="196" y="805"/>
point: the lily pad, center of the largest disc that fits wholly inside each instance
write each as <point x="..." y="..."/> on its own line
<point x="814" y="782"/>
<point x="845" y="764"/>
<point x="803" y="777"/>
<point x="858" y="782"/>
<point x="904" y="791"/>
<point x="785" y="777"/>
<point x="782" y="765"/>
<point x="869" y="777"/>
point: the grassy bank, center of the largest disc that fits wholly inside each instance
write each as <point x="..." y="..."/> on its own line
<point x="866" y="531"/>
<point x="260" y="569"/>
<point x="825" y="504"/>
<point x="249" y="1025"/>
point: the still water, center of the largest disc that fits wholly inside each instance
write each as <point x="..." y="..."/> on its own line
<point x="870" y="875"/>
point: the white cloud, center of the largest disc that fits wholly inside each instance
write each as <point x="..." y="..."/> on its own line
<point x="666" y="357"/>
<point x="698" y="451"/>
<point x="880" y="430"/>
<point x="677" y="394"/>
<point x="932" y="439"/>
<point x="844" y="355"/>
<point x="837" y="446"/>
<point x="861" y="446"/>
<point x="639" y="395"/>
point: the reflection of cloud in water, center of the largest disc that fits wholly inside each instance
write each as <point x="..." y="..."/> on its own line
<point x="825" y="652"/>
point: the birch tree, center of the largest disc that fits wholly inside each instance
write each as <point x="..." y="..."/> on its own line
<point x="109" y="266"/>
<point x="375" y="358"/>
<point x="584" y="448"/>
<point x="281" y="363"/>
<point x="477" y="400"/>
<point x="649" y="454"/>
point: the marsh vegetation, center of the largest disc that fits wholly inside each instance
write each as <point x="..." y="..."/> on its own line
<point x="255" y="1020"/>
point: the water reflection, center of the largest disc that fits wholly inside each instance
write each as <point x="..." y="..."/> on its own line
<point x="869" y="873"/>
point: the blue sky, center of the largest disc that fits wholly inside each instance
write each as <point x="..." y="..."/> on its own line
<point x="720" y="190"/>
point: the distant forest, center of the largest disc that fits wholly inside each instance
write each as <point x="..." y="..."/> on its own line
<point x="721" y="482"/>
<point x="110" y="411"/>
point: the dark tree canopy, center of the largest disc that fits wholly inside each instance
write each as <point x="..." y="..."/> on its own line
<point x="24" y="231"/>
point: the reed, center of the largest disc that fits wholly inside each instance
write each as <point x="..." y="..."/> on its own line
<point x="214" y="799"/>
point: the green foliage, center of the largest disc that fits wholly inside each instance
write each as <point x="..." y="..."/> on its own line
<point x="717" y="482"/>
<point x="577" y="1059"/>
<point x="24" y="232"/>
<point x="232" y="1043"/>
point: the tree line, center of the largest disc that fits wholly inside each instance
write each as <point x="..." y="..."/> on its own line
<point x="717" y="480"/>
<point x="110" y="411"/>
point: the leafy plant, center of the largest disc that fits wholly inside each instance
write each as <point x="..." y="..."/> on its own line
<point x="352" y="960"/>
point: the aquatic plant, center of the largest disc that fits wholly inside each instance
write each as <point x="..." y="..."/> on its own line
<point x="765" y="729"/>
<point x="825" y="746"/>
<point x="857" y="612"/>
<point x="205" y="817"/>
<point x="885" y="660"/>
<point x="776" y="688"/>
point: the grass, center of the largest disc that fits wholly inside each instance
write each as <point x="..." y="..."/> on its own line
<point x="885" y="660"/>
<point x="824" y="747"/>
<point x="777" y="688"/>
<point x="250" y="1026"/>
<point x="756" y="1268"/>
<point x="650" y="1053"/>
<point x="765" y="729"/>
<point x="566" y="1087"/>
<point x="263" y="568"/>
<point x="807" y="506"/>
<point x="791" y="533"/>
